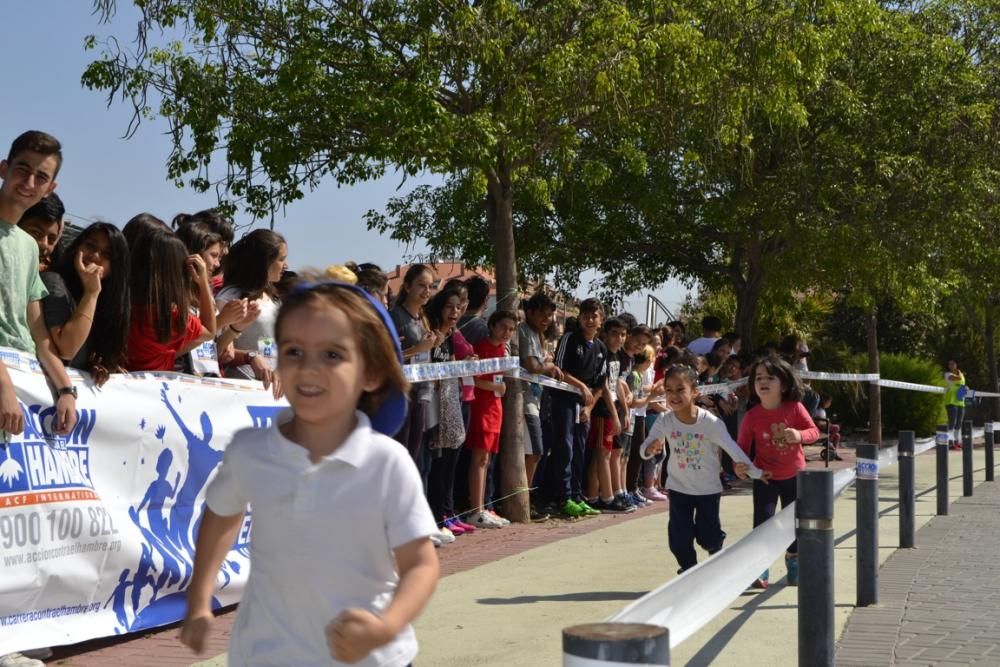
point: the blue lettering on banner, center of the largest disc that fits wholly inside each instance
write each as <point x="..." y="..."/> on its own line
<point x="38" y="460"/>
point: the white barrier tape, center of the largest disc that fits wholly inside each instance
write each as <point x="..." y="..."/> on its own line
<point x="973" y="393"/>
<point x="457" y="369"/>
<point x="840" y="377"/>
<point x="721" y="387"/>
<point x="544" y="381"/>
<point x="896" y="384"/>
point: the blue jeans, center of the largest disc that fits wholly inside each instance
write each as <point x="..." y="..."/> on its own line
<point x="955" y="415"/>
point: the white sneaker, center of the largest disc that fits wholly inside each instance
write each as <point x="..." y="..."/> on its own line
<point x="503" y="521"/>
<point x="446" y="536"/>
<point x="435" y="540"/>
<point x="480" y="520"/>
<point x="19" y="660"/>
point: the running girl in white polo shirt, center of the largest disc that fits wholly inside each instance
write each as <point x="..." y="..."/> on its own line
<point x="333" y="573"/>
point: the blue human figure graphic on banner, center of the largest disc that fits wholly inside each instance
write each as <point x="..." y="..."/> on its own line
<point x="202" y="461"/>
<point x="117" y="601"/>
<point x="156" y="534"/>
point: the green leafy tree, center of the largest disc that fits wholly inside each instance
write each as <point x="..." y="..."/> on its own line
<point x="287" y="93"/>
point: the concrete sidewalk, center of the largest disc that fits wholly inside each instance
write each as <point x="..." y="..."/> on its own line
<point x="511" y="610"/>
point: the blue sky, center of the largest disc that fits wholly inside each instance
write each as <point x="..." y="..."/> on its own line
<point x="105" y="176"/>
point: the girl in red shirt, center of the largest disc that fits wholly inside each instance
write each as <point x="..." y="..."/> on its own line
<point x="483" y="438"/>
<point x="777" y="428"/>
<point x="162" y="325"/>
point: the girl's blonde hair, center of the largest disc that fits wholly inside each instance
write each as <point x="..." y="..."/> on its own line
<point x="375" y="344"/>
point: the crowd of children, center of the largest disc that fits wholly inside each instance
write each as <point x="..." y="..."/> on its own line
<point x="190" y="297"/>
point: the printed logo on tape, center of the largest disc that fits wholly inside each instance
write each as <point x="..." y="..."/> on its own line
<point x="867" y="468"/>
<point x="941" y="438"/>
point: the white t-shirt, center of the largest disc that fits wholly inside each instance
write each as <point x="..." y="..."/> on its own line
<point x="319" y="543"/>
<point x="262" y="327"/>
<point x="529" y="344"/>
<point x="694" y="464"/>
<point x="701" y="346"/>
<point x="648" y="378"/>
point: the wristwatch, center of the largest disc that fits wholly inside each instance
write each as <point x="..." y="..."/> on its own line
<point x="250" y="356"/>
<point x="64" y="391"/>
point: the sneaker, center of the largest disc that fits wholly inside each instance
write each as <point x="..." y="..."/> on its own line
<point x="571" y="509"/>
<point x="792" y="563"/>
<point x="435" y="540"/>
<point x="587" y="509"/>
<point x="639" y="499"/>
<point x="484" y="520"/>
<point x="613" y="506"/>
<point x="445" y="535"/>
<point x="650" y="493"/>
<point x="19" y="660"/>
<point x="503" y="521"/>
<point x="761" y="581"/>
<point x="455" y="529"/>
<point x="538" y="517"/>
<point x="467" y="527"/>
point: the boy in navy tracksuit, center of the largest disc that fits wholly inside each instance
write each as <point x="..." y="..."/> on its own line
<point x="583" y="361"/>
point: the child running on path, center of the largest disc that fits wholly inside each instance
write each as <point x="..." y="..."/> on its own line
<point x="777" y="428"/>
<point x="696" y="438"/>
<point x="334" y="574"/>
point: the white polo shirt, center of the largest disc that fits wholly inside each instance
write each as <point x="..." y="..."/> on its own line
<point x="321" y="542"/>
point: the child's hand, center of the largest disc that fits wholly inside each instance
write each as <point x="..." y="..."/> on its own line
<point x="741" y="470"/>
<point x="65" y="414"/>
<point x="233" y="311"/>
<point x="195" y="630"/>
<point x="766" y="476"/>
<point x="500" y="388"/>
<point x="585" y="414"/>
<point x="792" y="435"/>
<point x="90" y="274"/>
<point x="196" y="265"/>
<point x="654" y="449"/>
<point x="616" y="426"/>
<point x="11" y="417"/>
<point x="355" y="633"/>
<point x="588" y="397"/>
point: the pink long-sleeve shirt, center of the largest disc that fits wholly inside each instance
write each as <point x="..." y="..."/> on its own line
<point x="766" y="429"/>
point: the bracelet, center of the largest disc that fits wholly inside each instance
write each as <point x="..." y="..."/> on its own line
<point x="236" y="331"/>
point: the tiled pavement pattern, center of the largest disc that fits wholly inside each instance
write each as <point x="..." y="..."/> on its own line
<point x="939" y="604"/>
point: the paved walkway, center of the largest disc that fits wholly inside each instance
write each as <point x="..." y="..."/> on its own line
<point x="508" y="594"/>
<point x="939" y="603"/>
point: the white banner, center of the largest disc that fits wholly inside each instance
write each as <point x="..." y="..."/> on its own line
<point x="97" y="529"/>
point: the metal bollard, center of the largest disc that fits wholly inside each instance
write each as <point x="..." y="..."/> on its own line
<point x="867" y="524"/>
<point x="967" y="458"/>
<point x="941" y="449"/>
<point x="814" y="532"/>
<point x="990" y="436"/>
<point x="615" y="645"/>
<point x="907" y="491"/>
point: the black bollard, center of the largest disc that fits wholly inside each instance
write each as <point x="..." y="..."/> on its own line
<point x="990" y="436"/>
<point x="866" y="491"/>
<point x="814" y="532"/>
<point x="907" y="498"/>
<point x="967" y="458"/>
<point x="615" y="643"/>
<point x="941" y="446"/>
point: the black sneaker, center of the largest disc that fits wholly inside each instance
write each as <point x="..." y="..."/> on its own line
<point x="615" y="506"/>
<point x="538" y="517"/>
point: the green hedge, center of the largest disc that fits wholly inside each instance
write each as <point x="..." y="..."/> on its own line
<point x="901" y="409"/>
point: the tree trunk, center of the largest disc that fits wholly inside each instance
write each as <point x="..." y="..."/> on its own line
<point x="991" y="358"/>
<point x="499" y="206"/>
<point x="874" y="390"/>
<point x="747" y="290"/>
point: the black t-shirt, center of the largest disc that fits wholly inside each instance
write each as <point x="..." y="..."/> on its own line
<point x="57" y="308"/>
<point x="474" y="328"/>
<point x="585" y="360"/>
